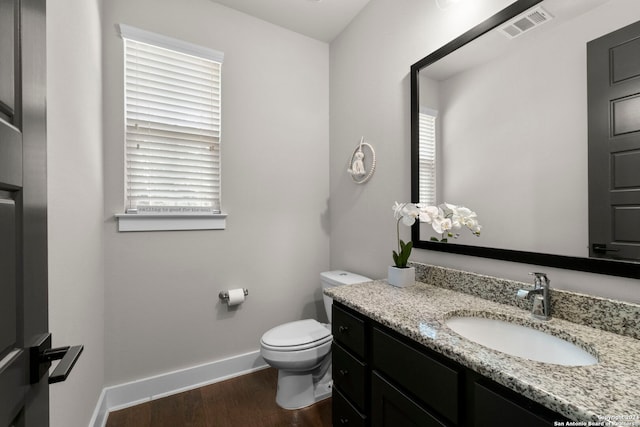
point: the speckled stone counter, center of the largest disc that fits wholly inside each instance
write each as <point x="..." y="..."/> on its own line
<point x="607" y="392"/>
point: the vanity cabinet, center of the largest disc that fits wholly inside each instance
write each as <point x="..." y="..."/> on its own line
<point x="382" y="378"/>
<point x="350" y="370"/>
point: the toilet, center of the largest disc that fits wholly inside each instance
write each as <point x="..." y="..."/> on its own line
<point x="301" y="351"/>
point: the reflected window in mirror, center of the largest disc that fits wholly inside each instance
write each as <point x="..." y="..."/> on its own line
<point x="428" y="156"/>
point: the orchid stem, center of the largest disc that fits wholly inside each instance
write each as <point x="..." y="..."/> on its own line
<point x="398" y="233"/>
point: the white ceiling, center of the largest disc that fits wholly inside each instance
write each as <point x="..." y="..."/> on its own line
<point x="320" y="19"/>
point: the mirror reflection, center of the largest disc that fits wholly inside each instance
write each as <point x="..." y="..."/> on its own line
<point x="504" y="128"/>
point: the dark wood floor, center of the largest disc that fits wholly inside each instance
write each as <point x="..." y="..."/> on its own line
<point x="245" y="401"/>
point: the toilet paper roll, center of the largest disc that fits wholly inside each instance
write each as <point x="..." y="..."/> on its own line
<point x="236" y="296"/>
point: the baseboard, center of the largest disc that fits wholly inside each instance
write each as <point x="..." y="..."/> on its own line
<point x="140" y="391"/>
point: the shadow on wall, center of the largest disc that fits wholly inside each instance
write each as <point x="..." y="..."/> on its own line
<point x="325" y="220"/>
<point x="315" y="309"/>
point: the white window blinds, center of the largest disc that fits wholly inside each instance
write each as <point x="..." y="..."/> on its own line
<point x="427" y="156"/>
<point x="173" y="118"/>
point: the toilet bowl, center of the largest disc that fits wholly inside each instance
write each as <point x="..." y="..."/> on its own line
<point x="301" y="352"/>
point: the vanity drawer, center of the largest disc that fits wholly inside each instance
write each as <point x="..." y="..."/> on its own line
<point x="348" y="330"/>
<point x="343" y="414"/>
<point x="427" y="379"/>
<point x="393" y="408"/>
<point x="349" y="375"/>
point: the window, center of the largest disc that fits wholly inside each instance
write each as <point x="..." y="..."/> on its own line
<point x="173" y="128"/>
<point x="427" y="155"/>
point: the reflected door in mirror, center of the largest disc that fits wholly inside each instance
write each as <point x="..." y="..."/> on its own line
<point x="614" y="144"/>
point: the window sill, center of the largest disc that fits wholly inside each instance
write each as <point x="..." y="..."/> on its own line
<point x="154" y="222"/>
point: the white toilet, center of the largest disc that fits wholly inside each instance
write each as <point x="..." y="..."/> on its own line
<point x="301" y="351"/>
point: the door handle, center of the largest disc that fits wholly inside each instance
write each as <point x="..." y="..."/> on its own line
<point x="41" y="355"/>
<point x="68" y="357"/>
<point x="602" y="248"/>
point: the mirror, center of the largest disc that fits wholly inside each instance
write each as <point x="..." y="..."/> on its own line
<point x="510" y="117"/>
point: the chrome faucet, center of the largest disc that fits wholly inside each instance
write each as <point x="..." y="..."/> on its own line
<point x="541" y="306"/>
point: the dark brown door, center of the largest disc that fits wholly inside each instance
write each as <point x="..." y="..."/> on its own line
<point x="613" y="65"/>
<point x="23" y="220"/>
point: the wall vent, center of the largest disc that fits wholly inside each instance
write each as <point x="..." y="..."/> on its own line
<point x="526" y="21"/>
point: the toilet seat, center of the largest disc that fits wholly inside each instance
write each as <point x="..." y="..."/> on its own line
<point x="298" y="335"/>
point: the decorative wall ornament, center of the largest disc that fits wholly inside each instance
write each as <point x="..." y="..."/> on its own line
<point x="357" y="167"/>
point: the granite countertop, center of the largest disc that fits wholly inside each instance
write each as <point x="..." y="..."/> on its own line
<point x="608" y="391"/>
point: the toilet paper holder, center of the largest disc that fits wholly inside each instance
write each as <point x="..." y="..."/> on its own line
<point x="224" y="295"/>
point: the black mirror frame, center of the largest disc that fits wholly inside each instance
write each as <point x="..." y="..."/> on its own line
<point x="591" y="265"/>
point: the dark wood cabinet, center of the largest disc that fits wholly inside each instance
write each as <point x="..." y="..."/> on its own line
<point x="391" y="407"/>
<point x="432" y="383"/>
<point x="350" y="370"/>
<point x="350" y="375"/>
<point x="348" y="329"/>
<point x="496" y="405"/>
<point x="382" y="378"/>
<point x="344" y="414"/>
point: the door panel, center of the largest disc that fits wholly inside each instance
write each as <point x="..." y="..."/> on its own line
<point x="23" y="220"/>
<point x="13" y="387"/>
<point x="11" y="154"/>
<point x="613" y="68"/>
<point x="626" y="220"/>
<point x="8" y="274"/>
<point x="625" y="64"/>
<point x="625" y="115"/>
<point x="7" y="53"/>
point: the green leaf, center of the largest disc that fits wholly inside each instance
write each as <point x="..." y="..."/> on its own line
<point x="400" y="259"/>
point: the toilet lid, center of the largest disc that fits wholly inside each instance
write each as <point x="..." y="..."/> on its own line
<point x="296" y="333"/>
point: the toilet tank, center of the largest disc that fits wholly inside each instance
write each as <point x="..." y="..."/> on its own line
<point x="338" y="278"/>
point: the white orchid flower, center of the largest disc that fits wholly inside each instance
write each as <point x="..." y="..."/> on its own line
<point x="430" y="213"/>
<point x="397" y="210"/>
<point x="408" y="212"/>
<point x="474" y="227"/>
<point x="443" y="218"/>
<point x="469" y="219"/>
<point x="442" y="225"/>
<point x="459" y="216"/>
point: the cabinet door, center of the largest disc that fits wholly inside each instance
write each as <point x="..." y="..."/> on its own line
<point x="391" y="408"/>
<point x="492" y="408"/>
<point x="430" y="381"/>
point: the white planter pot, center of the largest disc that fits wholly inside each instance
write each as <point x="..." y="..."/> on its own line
<point x="401" y="277"/>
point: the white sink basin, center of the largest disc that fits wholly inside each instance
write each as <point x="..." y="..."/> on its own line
<point x="520" y="341"/>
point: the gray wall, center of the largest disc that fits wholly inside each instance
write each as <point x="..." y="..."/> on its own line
<point x="369" y="87"/>
<point x="161" y="288"/>
<point x="75" y="182"/>
<point x="139" y="300"/>
<point x="370" y="96"/>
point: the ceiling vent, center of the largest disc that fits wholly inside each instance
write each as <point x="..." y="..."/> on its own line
<point x="525" y="22"/>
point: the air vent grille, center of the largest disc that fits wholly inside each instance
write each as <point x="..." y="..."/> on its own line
<point x="525" y="22"/>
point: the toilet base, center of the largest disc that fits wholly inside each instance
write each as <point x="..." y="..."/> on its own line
<point x="298" y="390"/>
